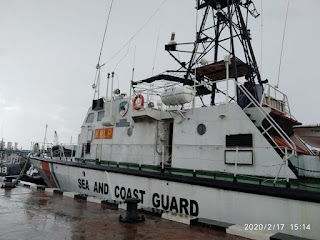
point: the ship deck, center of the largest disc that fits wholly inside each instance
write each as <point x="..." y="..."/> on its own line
<point x="27" y="213"/>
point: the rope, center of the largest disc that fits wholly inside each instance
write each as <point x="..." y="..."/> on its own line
<point x="307" y="170"/>
<point x="104" y="34"/>
<point x="284" y="33"/>
<point x="122" y="57"/>
<point x="155" y="54"/>
<point x="135" y="33"/>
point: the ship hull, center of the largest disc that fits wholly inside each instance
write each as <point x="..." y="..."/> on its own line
<point x="223" y="201"/>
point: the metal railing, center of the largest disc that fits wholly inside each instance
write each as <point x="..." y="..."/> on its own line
<point x="275" y="99"/>
<point x="273" y="125"/>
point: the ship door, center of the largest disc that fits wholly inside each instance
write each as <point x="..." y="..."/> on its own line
<point x="164" y="142"/>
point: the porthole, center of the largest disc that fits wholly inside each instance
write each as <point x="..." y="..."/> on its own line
<point x="129" y="131"/>
<point x="201" y="129"/>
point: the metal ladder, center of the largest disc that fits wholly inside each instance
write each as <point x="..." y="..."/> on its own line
<point x="273" y="125"/>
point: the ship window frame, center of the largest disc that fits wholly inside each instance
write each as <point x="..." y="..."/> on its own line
<point x="129" y="131"/>
<point x="90" y="118"/>
<point x="201" y="129"/>
<point x="239" y="140"/>
<point x="239" y="163"/>
<point x="100" y="116"/>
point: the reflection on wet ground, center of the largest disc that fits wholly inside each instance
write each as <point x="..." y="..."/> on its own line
<point x="34" y="214"/>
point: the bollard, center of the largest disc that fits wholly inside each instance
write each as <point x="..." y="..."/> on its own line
<point x="9" y="183"/>
<point x="132" y="212"/>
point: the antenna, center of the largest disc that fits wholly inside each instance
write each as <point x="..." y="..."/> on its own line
<point x="195" y="46"/>
<point x="96" y="84"/>
<point x="45" y="137"/>
<point x="283" y="37"/>
<point x="134" y="60"/>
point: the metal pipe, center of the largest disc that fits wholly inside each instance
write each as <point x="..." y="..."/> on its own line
<point x="107" y="93"/>
<point x="227" y="63"/>
<point x="162" y="157"/>
<point x="111" y="103"/>
<point x="236" y="163"/>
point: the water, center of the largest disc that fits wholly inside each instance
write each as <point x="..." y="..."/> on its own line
<point x="35" y="214"/>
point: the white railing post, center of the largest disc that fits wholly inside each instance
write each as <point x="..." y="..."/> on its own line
<point x="194" y="160"/>
<point x="287" y="161"/>
<point x="227" y="63"/>
<point x="162" y="157"/>
<point x="236" y="164"/>
<point x="100" y="151"/>
<point x="139" y="156"/>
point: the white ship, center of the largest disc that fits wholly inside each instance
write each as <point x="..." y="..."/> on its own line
<point x="208" y="140"/>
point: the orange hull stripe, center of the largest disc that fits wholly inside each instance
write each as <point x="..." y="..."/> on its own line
<point x="46" y="169"/>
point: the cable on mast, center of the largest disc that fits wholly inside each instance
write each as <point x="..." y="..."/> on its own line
<point x="128" y="42"/>
<point x="283" y="37"/>
<point x="104" y="34"/>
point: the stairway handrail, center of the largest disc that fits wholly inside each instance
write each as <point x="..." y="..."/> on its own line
<point x="269" y="119"/>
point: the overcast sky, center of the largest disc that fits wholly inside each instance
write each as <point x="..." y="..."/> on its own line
<point x="49" y="50"/>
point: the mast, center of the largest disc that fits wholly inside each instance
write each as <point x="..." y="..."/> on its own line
<point x="217" y="37"/>
<point x="45" y="137"/>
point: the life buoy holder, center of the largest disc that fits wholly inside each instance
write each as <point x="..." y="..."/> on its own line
<point x="135" y="106"/>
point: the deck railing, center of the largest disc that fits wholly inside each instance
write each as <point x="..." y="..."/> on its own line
<point x="275" y="99"/>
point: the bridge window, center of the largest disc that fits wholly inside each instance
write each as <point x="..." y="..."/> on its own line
<point x="100" y="116"/>
<point x="90" y="118"/>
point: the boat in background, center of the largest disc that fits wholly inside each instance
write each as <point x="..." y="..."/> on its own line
<point x="15" y="164"/>
<point x="210" y="140"/>
<point x="310" y="134"/>
<point x="12" y="162"/>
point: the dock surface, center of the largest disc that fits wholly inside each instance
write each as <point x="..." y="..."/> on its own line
<point x="27" y="213"/>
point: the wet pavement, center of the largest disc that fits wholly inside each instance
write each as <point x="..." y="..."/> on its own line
<point x="35" y="214"/>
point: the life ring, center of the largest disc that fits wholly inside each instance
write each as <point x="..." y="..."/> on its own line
<point x="135" y="106"/>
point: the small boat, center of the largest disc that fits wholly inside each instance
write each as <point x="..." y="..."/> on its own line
<point x="12" y="163"/>
<point x="32" y="175"/>
<point x="310" y="134"/>
<point x="209" y="140"/>
<point x="16" y="165"/>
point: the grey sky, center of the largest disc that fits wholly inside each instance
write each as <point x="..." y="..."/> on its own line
<point x="49" y="49"/>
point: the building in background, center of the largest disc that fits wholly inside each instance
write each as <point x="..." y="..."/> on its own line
<point x="9" y="145"/>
